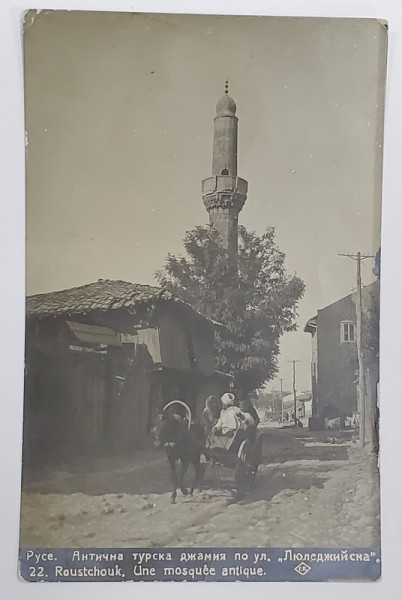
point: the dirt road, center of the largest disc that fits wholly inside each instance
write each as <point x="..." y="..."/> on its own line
<point x="309" y="493"/>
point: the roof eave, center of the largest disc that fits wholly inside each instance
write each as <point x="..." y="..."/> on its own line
<point x="311" y="325"/>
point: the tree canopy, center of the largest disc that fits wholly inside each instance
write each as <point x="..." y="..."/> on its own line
<point x="256" y="305"/>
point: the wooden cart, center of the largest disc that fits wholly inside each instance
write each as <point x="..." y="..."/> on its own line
<point x="241" y="452"/>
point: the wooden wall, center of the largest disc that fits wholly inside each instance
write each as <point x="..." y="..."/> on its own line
<point x="84" y="398"/>
<point x="187" y="343"/>
<point x="83" y="403"/>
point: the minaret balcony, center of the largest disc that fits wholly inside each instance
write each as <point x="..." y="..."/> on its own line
<point x="224" y="184"/>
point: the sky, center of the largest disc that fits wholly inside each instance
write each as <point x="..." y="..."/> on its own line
<point x="119" y="111"/>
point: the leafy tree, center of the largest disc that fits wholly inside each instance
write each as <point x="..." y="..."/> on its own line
<point x="257" y="304"/>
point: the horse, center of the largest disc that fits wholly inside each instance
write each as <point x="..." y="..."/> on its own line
<point x="184" y="442"/>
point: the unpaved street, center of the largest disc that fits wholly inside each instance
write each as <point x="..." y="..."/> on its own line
<point x="309" y="493"/>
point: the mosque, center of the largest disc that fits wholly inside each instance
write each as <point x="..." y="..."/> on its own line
<point x="224" y="193"/>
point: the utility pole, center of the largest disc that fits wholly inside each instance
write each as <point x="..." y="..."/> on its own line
<point x="281" y="380"/>
<point x="361" y="402"/>
<point x="274" y="403"/>
<point x="294" y="390"/>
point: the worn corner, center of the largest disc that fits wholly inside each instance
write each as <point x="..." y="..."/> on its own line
<point x="29" y="17"/>
<point x="383" y="23"/>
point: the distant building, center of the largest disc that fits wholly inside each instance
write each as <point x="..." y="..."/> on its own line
<point x="334" y="364"/>
<point x="303" y="405"/>
<point x="103" y="359"/>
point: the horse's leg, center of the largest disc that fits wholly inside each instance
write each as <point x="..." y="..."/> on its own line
<point x="184" y="462"/>
<point x="173" y="476"/>
<point x="202" y="469"/>
<point x="242" y="477"/>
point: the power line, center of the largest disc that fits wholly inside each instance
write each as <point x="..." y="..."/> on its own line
<point x="356" y="256"/>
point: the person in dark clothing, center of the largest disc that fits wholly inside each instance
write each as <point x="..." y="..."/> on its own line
<point x="247" y="406"/>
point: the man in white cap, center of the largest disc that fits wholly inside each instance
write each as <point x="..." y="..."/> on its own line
<point x="230" y="418"/>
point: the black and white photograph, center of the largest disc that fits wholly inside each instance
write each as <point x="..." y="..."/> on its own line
<point x="203" y="265"/>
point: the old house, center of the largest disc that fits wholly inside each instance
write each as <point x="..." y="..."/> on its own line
<point x="101" y="361"/>
<point x="334" y="364"/>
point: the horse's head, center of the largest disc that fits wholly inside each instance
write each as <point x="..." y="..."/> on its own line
<point x="167" y="428"/>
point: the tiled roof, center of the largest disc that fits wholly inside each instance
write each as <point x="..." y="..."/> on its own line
<point x="104" y="294"/>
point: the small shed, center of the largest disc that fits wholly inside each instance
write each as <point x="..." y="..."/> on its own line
<point x="101" y="361"/>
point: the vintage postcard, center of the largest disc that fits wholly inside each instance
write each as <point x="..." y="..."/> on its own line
<point x="203" y="199"/>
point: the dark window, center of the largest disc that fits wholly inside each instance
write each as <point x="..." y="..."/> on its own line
<point x="348" y="331"/>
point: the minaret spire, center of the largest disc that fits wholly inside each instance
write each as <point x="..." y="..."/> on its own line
<point x="225" y="193"/>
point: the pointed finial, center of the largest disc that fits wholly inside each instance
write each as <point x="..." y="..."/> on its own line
<point x="226" y="86"/>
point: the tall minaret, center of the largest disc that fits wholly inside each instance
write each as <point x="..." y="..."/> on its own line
<point x="224" y="193"/>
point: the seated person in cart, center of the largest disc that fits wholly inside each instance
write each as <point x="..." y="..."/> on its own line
<point x="232" y="423"/>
